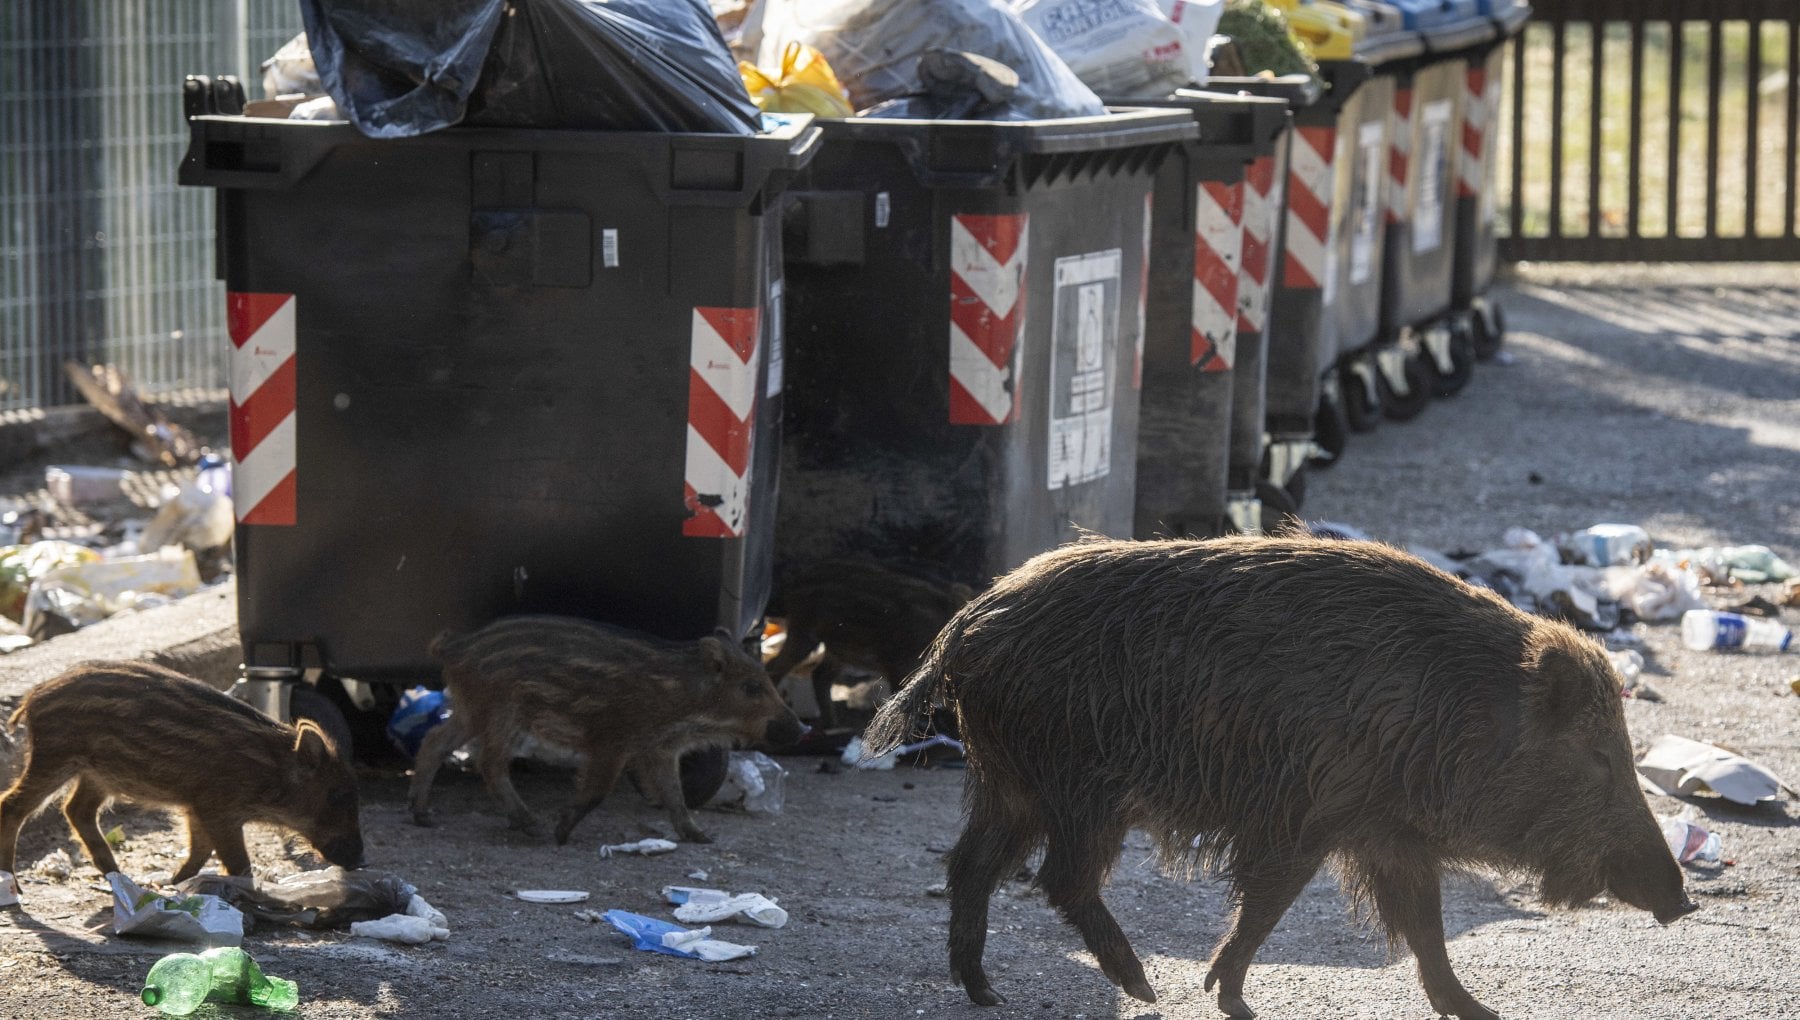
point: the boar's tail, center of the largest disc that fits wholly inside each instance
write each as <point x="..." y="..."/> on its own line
<point x="895" y="721"/>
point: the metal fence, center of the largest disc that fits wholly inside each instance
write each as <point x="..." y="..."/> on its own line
<point x="1656" y="130"/>
<point x="102" y="257"/>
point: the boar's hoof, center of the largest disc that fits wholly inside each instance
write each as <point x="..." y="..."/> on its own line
<point x="1463" y="1007"/>
<point x="1671" y="916"/>
<point x="527" y="825"/>
<point x="694" y="835"/>
<point x="1139" y="989"/>
<point x="424" y="820"/>
<point x="984" y="995"/>
<point x="1234" y="1006"/>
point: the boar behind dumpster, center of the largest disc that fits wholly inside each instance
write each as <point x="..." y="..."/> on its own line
<point x="623" y="699"/>
<point x="1263" y="706"/>
<point x="143" y="733"/>
<point x="868" y="614"/>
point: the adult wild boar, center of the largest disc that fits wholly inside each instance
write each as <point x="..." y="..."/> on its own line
<point x="1262" y="706"/>
<point x="143" y="733"/>
<point x="621" y="698"/>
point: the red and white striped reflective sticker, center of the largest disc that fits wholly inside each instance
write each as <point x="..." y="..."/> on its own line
<point x="1262" y="209"/>
<point x="1218" y="255"/>
<point x="721" y="426"/>
<point x="1399" y="153"/>
<point x="1476" y="112"/>
<point x="1309" y="207"/>
<point x="987" y="312"/>
<point x="263" y="418"/>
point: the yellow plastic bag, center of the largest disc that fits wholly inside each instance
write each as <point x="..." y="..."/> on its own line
<point x="805" y="84"/>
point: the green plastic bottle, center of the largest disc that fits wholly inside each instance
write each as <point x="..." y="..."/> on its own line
<point x="180" y="982"/>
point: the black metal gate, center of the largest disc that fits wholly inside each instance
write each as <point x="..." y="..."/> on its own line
<point x="1661" y="130"/>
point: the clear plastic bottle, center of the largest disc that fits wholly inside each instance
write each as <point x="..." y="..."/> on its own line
<point x="1703" y="629"/>
<point x="1689" y="842"/>
<point x="178" y="983"/>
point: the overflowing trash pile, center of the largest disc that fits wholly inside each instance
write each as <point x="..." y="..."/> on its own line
<point x="414" y="68"/>
<point x="99" y="540"/>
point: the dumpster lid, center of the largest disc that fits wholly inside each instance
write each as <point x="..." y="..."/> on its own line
<point x="1461" y="35"/>
<point x="1509" y="15"/>
<point x="1298" y="90"/>
<point x="1389" y="37"/>
<point x="1330" y="30"/>
<point x="1224" y="118"/>
<point x="1118" y="129"/>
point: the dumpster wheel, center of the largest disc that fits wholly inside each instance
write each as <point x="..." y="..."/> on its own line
<point x="1331" y="430"/>
<point x="1362" y="397"/>
<point x="1415" y="377"/>
<point x="1487" y="322"/>
<point x="1461" y="353"/>
<point x="1279" y="511"/>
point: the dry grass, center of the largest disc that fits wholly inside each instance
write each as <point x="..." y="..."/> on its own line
<point x="1733" y="183"/>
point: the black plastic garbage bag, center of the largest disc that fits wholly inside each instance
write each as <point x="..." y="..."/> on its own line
<point x="405" y="67"/>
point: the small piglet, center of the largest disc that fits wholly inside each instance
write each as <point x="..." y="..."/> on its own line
<point x="143" y="733"/>
<point x="869" y="614"/>
<point x="622" y="698"/>
<point x="1268" y="706"/>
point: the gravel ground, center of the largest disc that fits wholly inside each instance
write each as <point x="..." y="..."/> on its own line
<point x="1666" y="398"/>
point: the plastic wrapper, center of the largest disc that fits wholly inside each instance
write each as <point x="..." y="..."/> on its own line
<point x="1677" y="765"/>
<point x="804" y="83"/>
<point x="875" y="46"/>
<point x="195" y="917"/>
<point x="88" y="592"/>
<point x="290" y="71"/>
<point x="407" y="67"/>
<point x="326" y="898"/>
<point x="658" y="936"/>
<point x="20" y="565"/>
<point x="1117" y="47"/>
<point x="1197" y="21"/>
<point x="754" y="782"/>
<point x="419" y="711"/>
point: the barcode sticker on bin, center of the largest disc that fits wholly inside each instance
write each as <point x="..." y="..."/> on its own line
<point x="609" y="248"/>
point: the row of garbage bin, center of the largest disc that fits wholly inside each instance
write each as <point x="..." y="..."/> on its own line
<point x="632" y="376"/>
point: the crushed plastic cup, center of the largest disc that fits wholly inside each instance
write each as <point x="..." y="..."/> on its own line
<point x="1689" y="842"/>
<point x="9" y="889"/>
<point x="1612" y="545"/>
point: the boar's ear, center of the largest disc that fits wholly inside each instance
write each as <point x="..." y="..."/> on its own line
<point x="713" y="652"/>
<point x="313" y="743"/>
<point x="1560" y="682"/>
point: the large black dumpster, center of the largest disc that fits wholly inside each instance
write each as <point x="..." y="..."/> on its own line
<point x="965" y="305"/>
<point x="1202" y="323"/>
<point x="483" y="372"/>
<point x="1476" y="251"/>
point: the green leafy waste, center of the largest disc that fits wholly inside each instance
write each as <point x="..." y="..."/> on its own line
<point x="1265" y="42"/>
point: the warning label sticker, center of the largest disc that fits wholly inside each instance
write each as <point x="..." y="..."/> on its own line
<point x="1366" y="200"/>
<point x="1434" y="177"/>
<point x="1084" y="342"/>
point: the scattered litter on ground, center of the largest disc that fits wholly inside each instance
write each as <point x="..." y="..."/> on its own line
<point x="325" y="898"/>
<point x="155" y="438"/>
<point x="1712" y="630"/>
<point x="647" y="847"/>
<point x="404" y="928"/>
<point x="55" y="866"/>
<point x="698" y="875"/>
<point x="590" y="916"/>
<point x="1689" y="842"/>
<point x="754" y="782"/>
<point x="550" y="896"/>
<point x="853" y="757"/>
<point x="199" y="917"/>
<point x="1746" y="564"/>
<point x="653" y="935"/>
<point x="9" y="889"/>
<point x="115" y="837"/>
<point x="1677" y="765"/>
<point x="939" y="890"/>
<point x="708" y="906"/>
<point x="179" y="983"/>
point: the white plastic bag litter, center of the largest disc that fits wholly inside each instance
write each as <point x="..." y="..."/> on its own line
<point x="708" y="906"/>
<point x="1116" y="47"/>
<point x="1677" y="765"/>
<point x="402" y="928"/>
<point x="1656" y="591"/>
<point x="1197" y="20"/>
<point x="754" y="782"/>
<point x="701" y="943"/>
<point x="202" y="918"/>
<point x="647" y="847"/>
<point x="874" y="46"/>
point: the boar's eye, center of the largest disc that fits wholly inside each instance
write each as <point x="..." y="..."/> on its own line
<point x="1605" y="765"/>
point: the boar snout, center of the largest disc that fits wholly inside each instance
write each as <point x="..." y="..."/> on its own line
<point x="1648" y="878"/>
<point x="346" y="853"/>
<point x="785" y="730"/>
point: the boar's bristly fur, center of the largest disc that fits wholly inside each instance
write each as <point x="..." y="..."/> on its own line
<point x="1263" y="707"/>
<point x="143" y="733"/>
<point x="621" y="698"/>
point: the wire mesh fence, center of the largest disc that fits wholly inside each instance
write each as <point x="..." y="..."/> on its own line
<point x="102" y="257"/>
